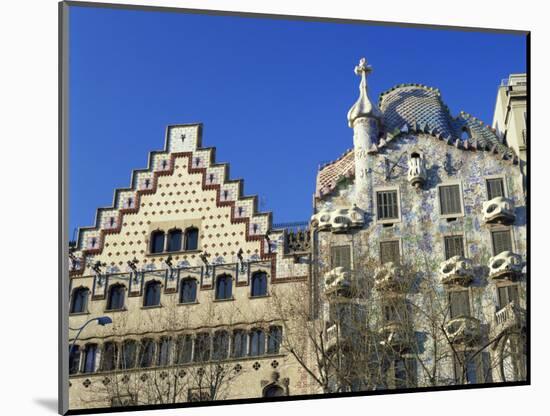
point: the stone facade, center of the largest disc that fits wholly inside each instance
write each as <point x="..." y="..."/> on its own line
<point x="426" y="209"/>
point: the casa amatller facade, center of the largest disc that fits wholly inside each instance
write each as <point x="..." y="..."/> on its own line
<point x="411" y="271"/>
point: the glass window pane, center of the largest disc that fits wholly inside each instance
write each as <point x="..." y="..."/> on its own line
<point x="191" y="239"/>
<point x="174" y="240"/>
<point x="157" y="242"/>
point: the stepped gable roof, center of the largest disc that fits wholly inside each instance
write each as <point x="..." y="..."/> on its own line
<point x="161" y="163"/>
<point x="416" y="108"/>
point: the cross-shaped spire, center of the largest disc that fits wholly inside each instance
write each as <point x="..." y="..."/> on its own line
<point x="363" y="68"/>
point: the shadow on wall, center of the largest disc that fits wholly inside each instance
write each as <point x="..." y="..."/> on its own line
<point x="47" y="403"/>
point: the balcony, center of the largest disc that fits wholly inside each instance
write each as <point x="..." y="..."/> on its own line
<point x="388" y="278"/>
<point x="456" y="270"/>
<point x="498" y="210"/>
<point x="337" y="282"/>
<point x="339" y="219"/>
<point x="394" y="335"/>
<point x="505" y="266"/>
<point x="509" y="318"/>
<point x="464" y="330"/>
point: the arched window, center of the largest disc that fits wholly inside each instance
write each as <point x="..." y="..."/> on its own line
<point x="221" y="345"/>
<point x="274" y="339"/>
<point x="89" y="358"/>
<point x="188" y="290"/>
<point x="224" y="285"/>
<point x="109" y="356"/>
<point x="191" y="238"/>
<point x="465" y="135"/>
<point x="152" y="294"/>
<point x="257" y="342"/>
<point x="146" y="353"/>
<point x="165" y="352"/>
<point x="239" y="343"/>
<point x="174" y="240"/>
<point x="259" y="284"/>
<point x="273" y="391"/>
<point x="79" y="300"/>
<point x="184" y="349"/>
<point x="74" y="359"/>
<point x="129" y="349"/>
<point x="157" y="241"/>
<point x="202" y="348"/>
<point x="115" y="299"/>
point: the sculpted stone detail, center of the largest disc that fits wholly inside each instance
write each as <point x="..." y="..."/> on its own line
<point x="339" y="219"/>
<point x="498" y="210"/>
<point x="463" y="330"/>
<point x="338" y="279"/>
<point x="505" y="265"/>
<point x="456" y="270"/>
<point x="388" y="277"/>
<point x="416" y="174"/>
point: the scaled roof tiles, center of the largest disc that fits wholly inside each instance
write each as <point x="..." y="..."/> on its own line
<point x="416" y="108"/>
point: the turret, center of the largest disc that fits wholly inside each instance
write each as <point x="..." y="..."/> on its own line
<point x="365" y="118"/>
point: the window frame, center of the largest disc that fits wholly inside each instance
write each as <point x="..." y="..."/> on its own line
<point x="221" y="352"/>
<point x="186" y="238"/>
<point x="123" y="354"/>
<point x="260" y="342"/>
<point x="161" y="359"/>
<point x="501" y="228"/>
<point x="146" y="342"/>
<point x="507" y="288"/>
<point x="390" y="240"/>
<point x="85" y="306"/>
<point x="461" y="199"/>
<point x="169" y="237"/>
<point x="109" y="297"/>
<point x="180" y="291"/>
<point x="398" y="194"/>
<point x="152" y="237"/>
<point x="243" y="352"/>
<point x="491" y="177"/>
<point x="146" y="288"/>
<point x="348" y="246"/>
<point x="278" y="338"/>
<point x="114" y="358"/>
<point x="75" y="355"/>
<point x="84" y="365"/>
<point x="469" y="304"/>
<point x="226" y="277"/>
<point x="254" y="278"/>
<point x="454" y="235"/>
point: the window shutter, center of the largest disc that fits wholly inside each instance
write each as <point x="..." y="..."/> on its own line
<point x="495" y="188"/>
<point x="389" y="252"/>
<point x="386" y="203"/>
<point x="341" y="257"/>
<point x="449" y="198"/>
<point x="454" y="246"/>
<point x="460" y="303"/>
<point x="502" y="241"/>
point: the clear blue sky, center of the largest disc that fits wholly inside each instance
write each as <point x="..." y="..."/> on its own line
<point x="272" y="94"/>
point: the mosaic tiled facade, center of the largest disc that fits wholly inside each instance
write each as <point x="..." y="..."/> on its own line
<point x="185" y="265"/>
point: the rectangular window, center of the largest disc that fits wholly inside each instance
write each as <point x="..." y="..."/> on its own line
<point x="468" y="370"/>
<point x="389" y="252"/>
<point x="495" y="188"/>
<point x="450" y="200"/>
<point x="386" y="205"/>
<point x="405" y="372"/>
<point x="507" y="294"/>
<point x="185" y="349"/>
<point x="89" y="358"/>
<point x="454" y="246"/>
<point x="459" y="301"/>
<point x="202" y="348"/>
<point x="340" y="256"/>
<point x="502" y="241"/>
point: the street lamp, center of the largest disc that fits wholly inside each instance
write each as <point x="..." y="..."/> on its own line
<point x="102" y="320"/>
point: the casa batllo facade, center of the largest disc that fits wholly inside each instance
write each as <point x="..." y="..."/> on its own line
<point x="410" y="272"/>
